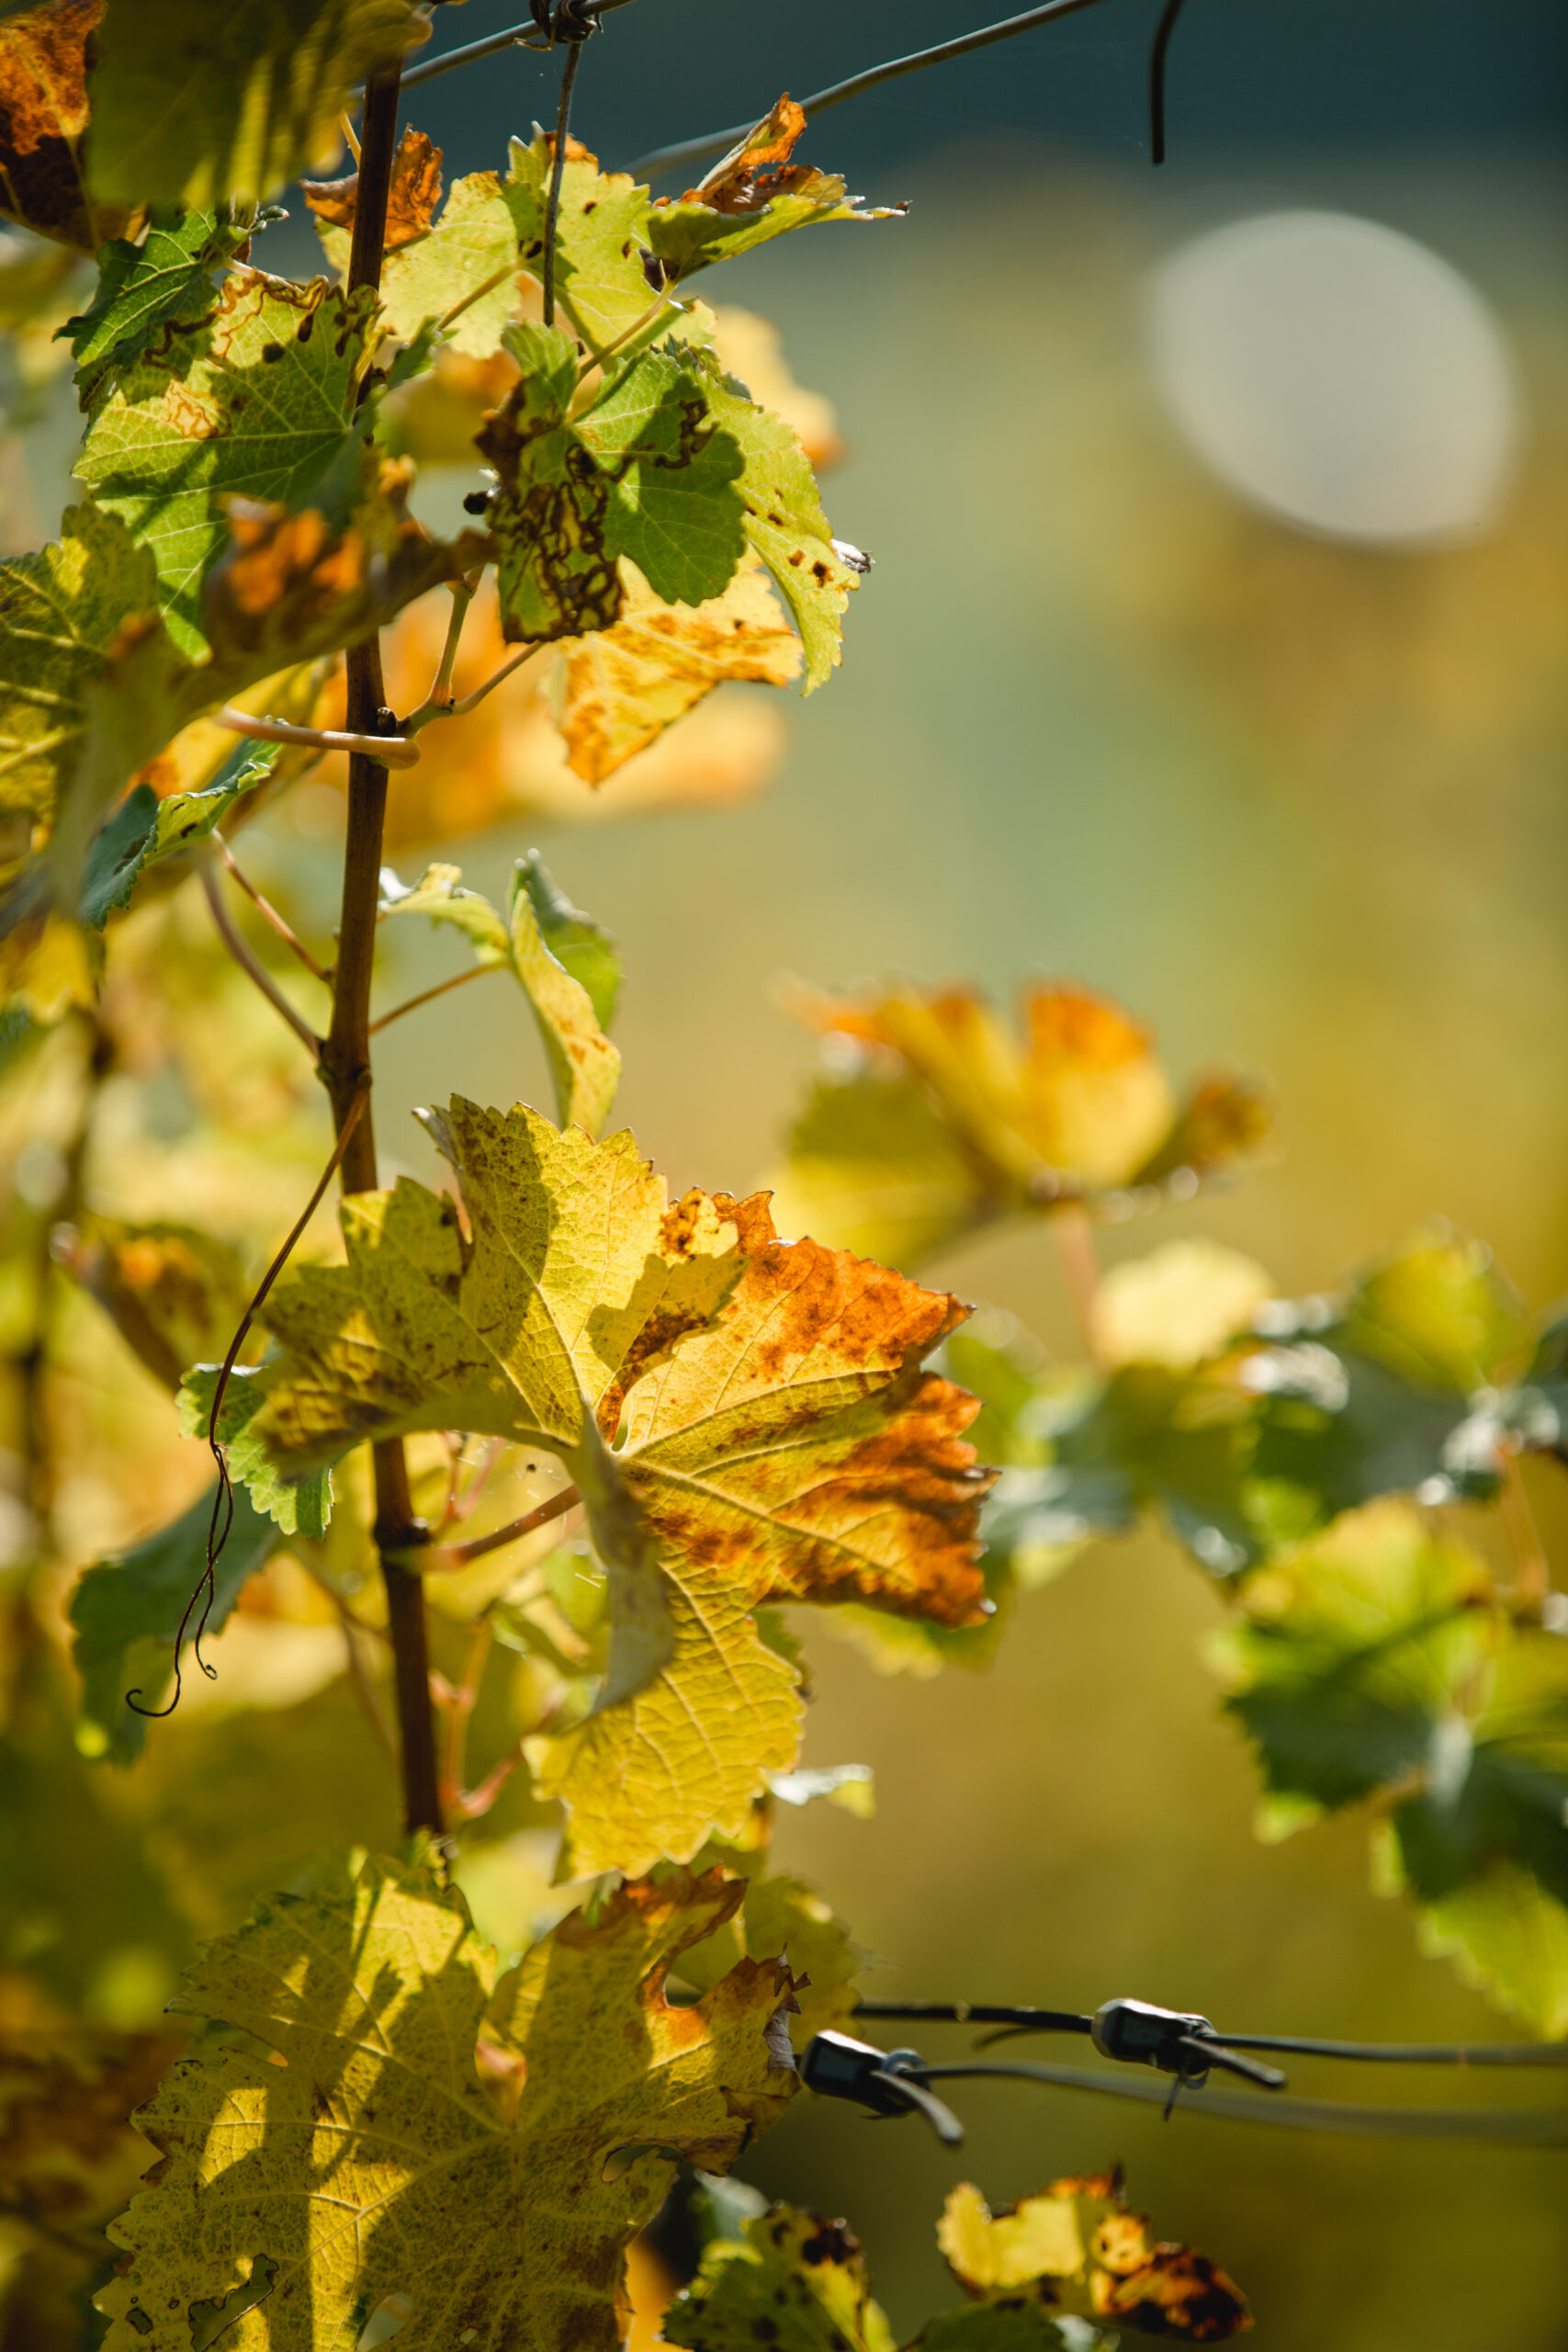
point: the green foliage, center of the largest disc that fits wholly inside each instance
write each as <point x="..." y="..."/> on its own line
<point x="164" y="281"/>
<point x="251" y="400"/>
<point x="600" y="284"/>
<point x="585" y="1068"/>
<point x="127" y="1614"/>
<point x="144" y="830"/>
<point x="192" y="104"/>
<point x="300" y="1506"/>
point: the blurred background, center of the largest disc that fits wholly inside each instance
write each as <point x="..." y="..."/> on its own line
<point x="1214" y="656"/>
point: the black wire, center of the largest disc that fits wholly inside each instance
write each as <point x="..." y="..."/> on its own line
<point x="1158" y="56"/>
<point x="1522" y="2127"/>
<point x="980" y="2013"/>
<point x="1020" y="2020"/>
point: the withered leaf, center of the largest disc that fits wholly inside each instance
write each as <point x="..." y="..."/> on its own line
<point x="1077" y="2250"/>
<point x="412" y="199"/>
<point x="174" y="1293"/>
<point x="626" y="684"/>
<point x="753" y="193"/>
<point x="44" y="57"/>
<point x="772" y="1437"/>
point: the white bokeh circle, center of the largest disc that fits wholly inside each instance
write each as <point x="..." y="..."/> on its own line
<point x="1337" y="374"/>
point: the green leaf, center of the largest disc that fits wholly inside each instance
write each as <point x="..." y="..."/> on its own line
<point x="874" y="1167"/>
<point x="61" y="612"/>
<point x="601" y="227"/>
<point x="640" y="474"/>
<point x="585" y="1068"/>
<point x="795" y="2281"/>
<point x="166" y="281"/>
<point x="192" y="103"/>
<point x="251" y="402"/>
<point x="1509" y="1939"/>
<point x="581" y="946"/>
<point x="127" y="1614"/>
<point x="674" y="508"/>
<point x="1437" y="1311"/>
<point x="473" y="239"/>
<point x="302" y="1505"/>
<point x="488" y="2147"/>
<point x="1013" y="2326"/>
<point x="783" y="518"/>
<point x="144" y="830"/>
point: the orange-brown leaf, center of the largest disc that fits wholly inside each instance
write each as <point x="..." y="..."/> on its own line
<point x="44" y="59"/>
<point x="758" y="168"/>
<point x="411" y="200"/>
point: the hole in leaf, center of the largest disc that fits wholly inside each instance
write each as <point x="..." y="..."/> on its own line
<point x="208" y="2320"/>
<point x="390" y="2315"/>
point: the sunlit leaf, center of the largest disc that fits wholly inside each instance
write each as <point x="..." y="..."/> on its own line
<point x="439" y="267"/>
<point x="193" y="103"/>
<point x="585" y="1068"/>
<point x="126" y="1613"/>
<point x="641" y="473"/>
<point x="583" y="947"/>
<point x="1177" y="1305"/>
<point x="783" y="520"/>
<point x="774" y="1438"/>
<point x="165" y="280"/>
<point x="1509" y="1938"/>
<point x="300" y="1506"/>
<point x="794" y="2280"/>
<point x="626" y="684"/>
<point x="413" y="194"/>
<point x="251" y="402"/>
<point x="750" y="195"/>
<point x="601" y="230"/>
<point x="786" y="1915"/>
<point x="1078" y="2249"/>
<point x="467" y="2127"/>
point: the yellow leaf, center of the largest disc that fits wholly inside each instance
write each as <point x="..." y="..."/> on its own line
<point x="747" y="1421"/>
<point x="750" y="347"/>
<point x="1088" y="2255"/>
<point x="1177" y="1305"/>
<point x="474" y="2150"/>
<point x="625" y="685"/>
<point x="935" y="1117"/>
<point x="174" y="1293"/>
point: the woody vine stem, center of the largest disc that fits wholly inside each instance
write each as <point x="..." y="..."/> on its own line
<point x="345" y="1054"/>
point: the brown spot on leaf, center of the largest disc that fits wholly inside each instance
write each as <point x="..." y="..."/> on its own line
<point x="45" y="56"/>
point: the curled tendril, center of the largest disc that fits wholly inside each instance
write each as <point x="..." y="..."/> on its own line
<point x="205" y="1592"/>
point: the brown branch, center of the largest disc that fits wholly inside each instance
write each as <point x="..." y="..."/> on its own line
<point x="269" y="913"/>
<point x="345" y="1053"/>
<point x="251" y="963"/>
<point x="459" y="1556"/>
<point x="458" y="980"/>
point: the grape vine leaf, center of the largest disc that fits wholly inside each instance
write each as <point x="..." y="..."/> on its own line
<point x="641" y="473"/>
<point x="43" y="104"/>
<point x="627" y="684"/>
<point x="172" y="1291"/>
<point x="783" y="520"/>
<point x="1376" y="1659"/>
<point x="987" y="1126"/>
<point x="753" y="193"/>
<point x="251" y="400"/>
<point x="193" y="103"/>
<point x="412" y="198"/>
<point x="300" y="1506"/>
<point x="466" y="2128"/>
<point x="443" y="265"/>
<point x="601" y="234"/>
<point x="144" y="830"/>
<point x="1077" y="2248"/>
<point x="784" y="1915"/>
<point x="774" y="1436"/>
<point x="794" y="2280"/>
<point x="581" y="946"/>
<point x="127" y="1612"/>
<point x="65" y="612"/>
<point x="1508" y="1937"/>
<point x="585" y="1068"/>
<point x="165" y="280"/>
